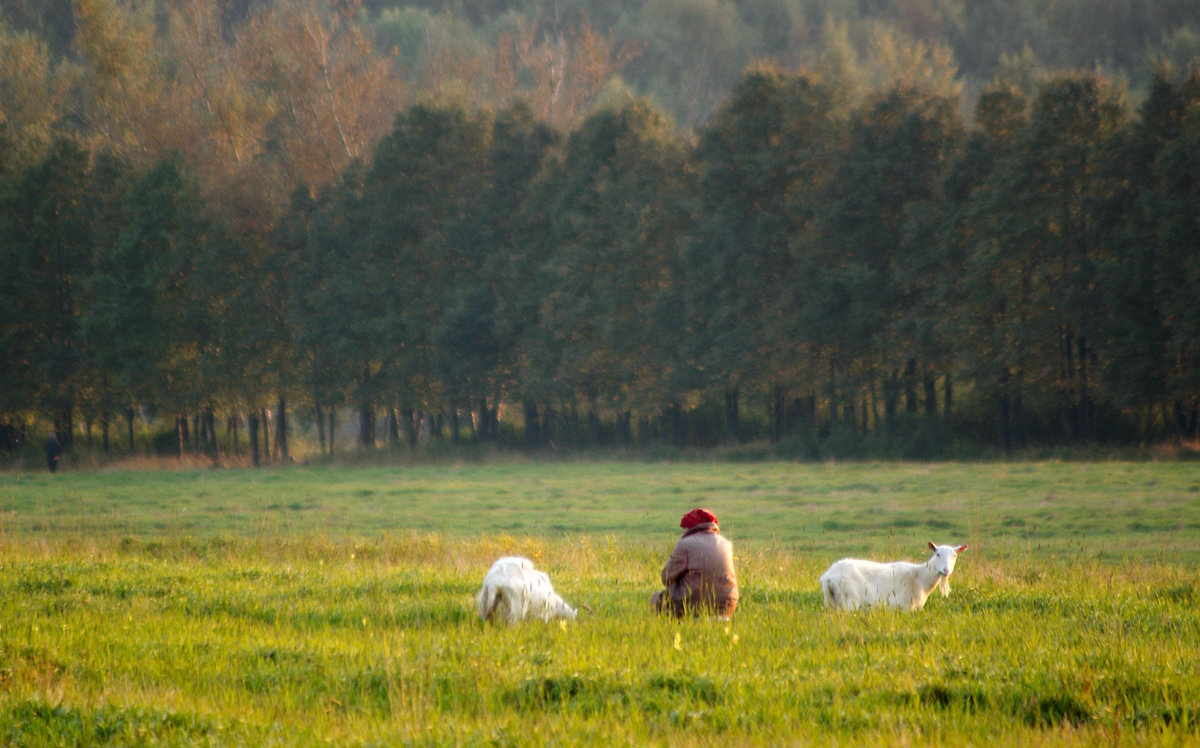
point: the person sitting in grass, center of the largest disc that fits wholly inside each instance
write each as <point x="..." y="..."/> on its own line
<point x="699" y="576"/>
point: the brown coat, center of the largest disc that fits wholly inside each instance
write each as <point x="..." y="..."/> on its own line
<point x="699" y="575"/>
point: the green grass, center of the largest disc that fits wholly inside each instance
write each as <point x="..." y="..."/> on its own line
<point x="318" y="606"/>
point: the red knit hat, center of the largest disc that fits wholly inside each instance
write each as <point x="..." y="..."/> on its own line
<point x="695" y="517"/>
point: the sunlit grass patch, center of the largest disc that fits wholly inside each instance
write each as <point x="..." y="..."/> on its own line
<point x="311" y="635"/>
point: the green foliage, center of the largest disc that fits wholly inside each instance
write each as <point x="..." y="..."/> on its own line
<point x="612" y="222"/>
<point x="764" y="165"/>
<point x="143" y="294"/>
<point x="45" y="244"/>
<point x="419" y="193"/>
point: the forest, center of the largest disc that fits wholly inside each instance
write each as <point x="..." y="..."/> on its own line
<point x="843" y="229"/>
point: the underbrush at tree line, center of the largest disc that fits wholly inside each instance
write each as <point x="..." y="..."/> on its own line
<point x="906" y="442"/>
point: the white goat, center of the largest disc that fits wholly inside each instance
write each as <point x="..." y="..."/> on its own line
<point x="514" y="591"/>
<point x="852" y="583"/>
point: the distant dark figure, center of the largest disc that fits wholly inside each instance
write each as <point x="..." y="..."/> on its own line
<point x="53" y="452"/>
<point x="699" y="576"/>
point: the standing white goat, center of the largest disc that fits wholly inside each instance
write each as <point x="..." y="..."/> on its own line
<point x="852" y="583"/>
<point x="514" y="591"/>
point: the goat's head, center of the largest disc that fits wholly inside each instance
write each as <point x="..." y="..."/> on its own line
<point x="944" y="557"/>
<point x="565" y="610"/>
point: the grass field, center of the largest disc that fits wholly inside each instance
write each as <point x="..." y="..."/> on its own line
<point x="334" y="606"/>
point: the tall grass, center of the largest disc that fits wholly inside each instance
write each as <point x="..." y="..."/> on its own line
<point x="134" y="611"/>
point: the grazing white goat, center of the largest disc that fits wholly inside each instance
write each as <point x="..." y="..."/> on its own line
<point x="852" y="583"/>
<point x="515" y="591"/>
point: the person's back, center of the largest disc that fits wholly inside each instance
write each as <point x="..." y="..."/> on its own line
<point x="699" y="576"/>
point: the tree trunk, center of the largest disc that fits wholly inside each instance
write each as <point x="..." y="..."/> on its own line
<point x="733" y="417"/>
<point x="833" y="394"/>
<point x="64" y="425"/>
<point x="332" y="428"/>
<point x="1004" y="422"/>
<point x="129" y="422"/>
<point x="548" y="431"/>
<point x="1187" y="420"/>
<point x="891" y="399"/>
<point x="778" y="413"/>
<point x="625" y="428"/>
<point x="252" y="427"/>
<point x="281" y="437"/>
<point x="1086" y="406"/>
<point x="232" y="428"/>
<point x="265" y="422"/>
<point x="594" y="432"/>
<point x="803" y="415"/>
<point x="645" y="431"/>
<point x="1069" y="414"/>
<point x="210" y="421"/>
<point x="181" y="428"/>
<point x="871" y="411"/>
<point x="910" y="385"/>
<point x="533" y="438"/>
<point x="574" y="431"/>
<point x="410" y="425"/>
<point x="1013" y="419"/>
<point x="489" y="419"/>
<point x="674" y="419"/>
<point x="391" y="426"/>
<point x="366" y="426"/>
<point x="320" y="427"/>
<point x="1018" y="420"/>
<point x="930" y="397"/>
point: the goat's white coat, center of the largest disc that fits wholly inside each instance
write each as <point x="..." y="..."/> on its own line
<point x="853" y="583"/>
<point x="515" y="591"/>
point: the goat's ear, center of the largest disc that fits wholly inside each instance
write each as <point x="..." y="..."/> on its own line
<point x="960" y="549"/>
<point x="932" y="547"/>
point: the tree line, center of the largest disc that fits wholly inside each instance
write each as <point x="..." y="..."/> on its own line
<point x="465" y="221"/>
<point x="806" y="269"/>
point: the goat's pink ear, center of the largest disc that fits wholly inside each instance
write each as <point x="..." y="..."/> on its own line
<point x="960" y="549"/>
<point x="932" y="547"/>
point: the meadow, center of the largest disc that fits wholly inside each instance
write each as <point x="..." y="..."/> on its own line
<point x="316" y="606"/>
